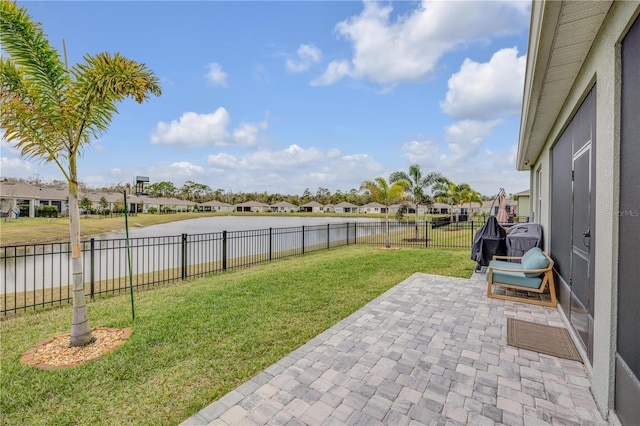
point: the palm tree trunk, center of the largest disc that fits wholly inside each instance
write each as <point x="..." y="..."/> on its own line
<point x="388" y="240"/>
<point x="80" y="332"/>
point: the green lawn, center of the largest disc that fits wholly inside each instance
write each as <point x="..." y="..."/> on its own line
<point x="197" y="340"/>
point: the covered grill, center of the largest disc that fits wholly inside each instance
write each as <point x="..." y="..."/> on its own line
<point x="522" y="237"/>
<point x="490" y="240"/>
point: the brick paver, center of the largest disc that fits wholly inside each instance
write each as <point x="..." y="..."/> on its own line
<point x="432" y="350"/>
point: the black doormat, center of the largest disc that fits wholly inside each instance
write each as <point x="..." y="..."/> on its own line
<point x="541" y="338"/>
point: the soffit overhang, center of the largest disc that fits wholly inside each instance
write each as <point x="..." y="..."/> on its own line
<point x="560" y="36"/>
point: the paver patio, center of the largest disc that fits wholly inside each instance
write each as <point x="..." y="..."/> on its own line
<point x="432" y="350"/>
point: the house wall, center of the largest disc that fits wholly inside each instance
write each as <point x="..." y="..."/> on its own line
<point x="524" y="209"/>
<point x="601" y="67"/>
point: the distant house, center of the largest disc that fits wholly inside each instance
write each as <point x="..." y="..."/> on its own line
<point x="411" y="208"/>
<point x="579" y="141"/>
<point x="134" y="203"/>
<point x="523" y="208"/>
<point x="216" y="206"/>
<point x="373" y="208"/>
<point x="440" y="208"/>
<point x="284" y="207"/>
<point x="312" y="207"/>
<point x="491" y="207"/>
<point x="345" y="207"/>
<point x="252" y="206"/>
<point x="172" y="204"/>
<point x="27" y="198"/>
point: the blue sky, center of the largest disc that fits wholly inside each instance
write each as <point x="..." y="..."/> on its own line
<point x="283" y="96"/>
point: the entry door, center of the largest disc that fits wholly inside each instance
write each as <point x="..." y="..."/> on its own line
<point x="582" y="287"/>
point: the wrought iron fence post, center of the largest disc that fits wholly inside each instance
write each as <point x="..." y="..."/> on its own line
<point x="329" y="235"/>
<point x="426" y="234"/>
<point x="472" y="234"/>
<point x="348" y="227"/>
<point x="270" y="244"/>
<point x="184" y="256"/>
<point x="224" y="250"/>
<point x="355" y="233"/>
<point x="92" y="267"/>
<point x="302" y="239"/>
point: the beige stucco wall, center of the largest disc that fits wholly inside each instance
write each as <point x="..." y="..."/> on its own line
<point x="601" y="67"/>
<point x="524" y="208"/>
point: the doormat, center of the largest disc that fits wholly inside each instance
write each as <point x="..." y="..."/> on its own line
<point x="541" y="338"/>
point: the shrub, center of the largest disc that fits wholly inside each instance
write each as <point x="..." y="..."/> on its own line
<point x="47" y="211"/>
<point x="152" y="210"/>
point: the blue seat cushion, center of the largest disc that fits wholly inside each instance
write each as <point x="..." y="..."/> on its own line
<point x="505" y="265"/>
<point x="534" y="258"/>
<point x="515" y="278"/>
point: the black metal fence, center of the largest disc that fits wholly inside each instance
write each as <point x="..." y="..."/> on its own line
<point x="37" y="275"/>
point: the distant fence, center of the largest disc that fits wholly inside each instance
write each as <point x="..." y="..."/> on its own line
<point x="37" y="275"/>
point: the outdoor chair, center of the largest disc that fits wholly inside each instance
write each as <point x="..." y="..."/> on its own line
<point x="532" y="272"/>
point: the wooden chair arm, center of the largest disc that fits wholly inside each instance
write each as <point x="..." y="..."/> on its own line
<point x="496" y="257"/>
<point x="524" y="271"/>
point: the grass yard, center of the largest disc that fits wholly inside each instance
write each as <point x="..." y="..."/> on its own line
<point x="34" y="230"/>
<point x="197" y="340"/>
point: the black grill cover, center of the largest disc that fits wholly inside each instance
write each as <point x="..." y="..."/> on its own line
<point x="489" y="241"/>
<point x="521" y="238"/>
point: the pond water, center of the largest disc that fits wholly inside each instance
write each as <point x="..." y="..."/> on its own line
<point x="206" y="225"/>
<point x="158" y="247"/>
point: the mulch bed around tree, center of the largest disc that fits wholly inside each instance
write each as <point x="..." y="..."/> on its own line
<point x="56" y="353"/>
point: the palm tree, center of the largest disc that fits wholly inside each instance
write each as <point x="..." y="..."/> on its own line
<point x="418" y="185"/>
<point x="50" y="112"/>
<point x="469" y="195"/>
<point x="449" y="192"/>
<point x="386" y="195"/>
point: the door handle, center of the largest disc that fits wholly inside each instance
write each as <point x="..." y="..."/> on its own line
<point x="586" y="234"/>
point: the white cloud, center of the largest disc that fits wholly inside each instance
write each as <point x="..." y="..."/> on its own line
<point x="197" y="130"/>
<point x="216" y="75"/>
<point x="184" y="168"/>
<point x="465" y="137"/>
<point x="388" y="49"/>
<point x="487" y="90"/>
<point x="247" y="133"/>
<point x="291" y="157"/>
<point x="14" y="167"/>
<point x="425" y="153"/>
<point x="292" y="169"/>
<point x="181" y="170"/>
<point x="308" y="54"/>
<point x="335" y="71"/>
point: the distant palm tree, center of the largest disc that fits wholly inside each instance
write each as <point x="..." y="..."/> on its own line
<point x="51" y="112"/>
<point x="386" y="195"/>
<point x="418" y="185"/>
<point x="449" y="192"/>
<point x="469" y="195"/>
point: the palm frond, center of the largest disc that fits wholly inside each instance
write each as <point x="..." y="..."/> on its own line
<point x="40" y="64"/>
<point x="102" y="81"/>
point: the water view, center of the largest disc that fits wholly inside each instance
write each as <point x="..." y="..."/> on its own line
<point x="206" y="225"/>
<point x="168" y="251"/>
